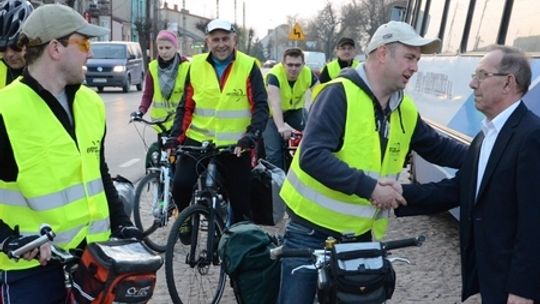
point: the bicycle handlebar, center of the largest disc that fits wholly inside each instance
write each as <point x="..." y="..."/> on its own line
<point x="158" y="122"/>
<point x="282" y="252"/>
<point x="416" y="241"/>
<point x="207" y="148"/>
<point x="46" y="235"/>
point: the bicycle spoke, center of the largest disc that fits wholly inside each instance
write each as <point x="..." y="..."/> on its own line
<point x="193" y="274"/>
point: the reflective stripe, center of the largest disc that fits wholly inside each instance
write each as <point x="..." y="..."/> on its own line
<point x="244" y="113"/>
<point x="161" y="104"/>
<point x="95" y="187"/>
<point x="50" y="201"/>
<point x="12" y="198"/>
<point x="229" y="136"/>
<point x="100" y="226"/>
<point x="366" y="211"/>
<point x="206" y="132"/>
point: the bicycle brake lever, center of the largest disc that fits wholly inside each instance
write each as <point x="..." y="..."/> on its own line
<point x="312" y="267"/>
<point x="399" y="259"/>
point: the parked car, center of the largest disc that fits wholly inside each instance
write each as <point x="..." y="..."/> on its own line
<point x="115" y="64"/>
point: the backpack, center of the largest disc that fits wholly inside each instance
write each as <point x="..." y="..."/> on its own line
<point x="244" y="249"/>
<point x="115" y="271"/>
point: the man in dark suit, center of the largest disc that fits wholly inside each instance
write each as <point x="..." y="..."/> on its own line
<point x="497" y="187"/>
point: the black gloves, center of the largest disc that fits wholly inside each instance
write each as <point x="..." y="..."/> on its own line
<point x="249" y="140"/>
<point x="172" y="143"/>
<point x="128" y="232"/>
<point x="136" y="114"/>
<point x="16" y="241"/>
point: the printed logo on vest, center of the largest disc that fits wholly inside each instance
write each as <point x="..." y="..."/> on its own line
<point x="236" y="93"/>
<point x="94" y="148"/>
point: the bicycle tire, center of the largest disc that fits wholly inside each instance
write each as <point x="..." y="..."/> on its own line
<point x="149" y="191"/>
<point x="190" y="284"/>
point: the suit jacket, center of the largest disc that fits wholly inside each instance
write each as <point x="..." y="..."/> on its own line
<point x="500" y="229"/>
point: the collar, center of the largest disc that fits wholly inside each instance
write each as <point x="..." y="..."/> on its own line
<point x="395" y="98"/>
<point x="498" y="122"/>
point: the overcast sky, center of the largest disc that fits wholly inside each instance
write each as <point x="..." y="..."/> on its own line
<point x="260" y="15"/>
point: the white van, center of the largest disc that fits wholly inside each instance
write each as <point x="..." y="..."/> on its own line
<point x="315" y="61"/>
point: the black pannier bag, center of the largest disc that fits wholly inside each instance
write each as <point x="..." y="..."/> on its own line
<point x="359" y="273"/>
<point x="267" y="205"/>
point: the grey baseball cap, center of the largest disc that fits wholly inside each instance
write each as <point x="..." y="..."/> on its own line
<point x="395" y="31"/>
<point x="52" y="21"/>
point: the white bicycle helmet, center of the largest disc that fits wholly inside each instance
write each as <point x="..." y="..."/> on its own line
<point x="13" y="13"/>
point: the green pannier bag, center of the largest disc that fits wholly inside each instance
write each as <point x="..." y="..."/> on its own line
<point x="244" y="251"/>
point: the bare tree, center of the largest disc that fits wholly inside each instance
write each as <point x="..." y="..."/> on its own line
<point x="323" y="29"/>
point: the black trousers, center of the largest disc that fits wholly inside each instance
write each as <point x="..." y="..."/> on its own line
<point x="235" y="176"/>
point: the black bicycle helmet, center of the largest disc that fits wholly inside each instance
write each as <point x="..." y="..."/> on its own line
<point x="12" y="15"/>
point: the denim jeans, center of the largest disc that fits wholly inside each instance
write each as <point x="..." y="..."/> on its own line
<point x="273" y="142"/>
<point x="300" y="287"/>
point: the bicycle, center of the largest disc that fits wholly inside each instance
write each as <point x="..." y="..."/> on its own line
<point x="116" y="271"/>
<point x="153" y="203"/>
<point x="289" y="148"/>
<point x="355" y="259"/>
<point x="193" y="272"/>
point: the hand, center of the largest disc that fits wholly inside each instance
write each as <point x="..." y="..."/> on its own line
<point x="128" y="232"/>
<point x="136" y="114"/>
<point x="172" y="143"/>
<point x="285" y="132"/>
<point x="245" y="143"/>
<point x="16" y="241"/>
<point x="390" y="182"/>
<point x="515" y="299"/>
<point x="386" y="197"/>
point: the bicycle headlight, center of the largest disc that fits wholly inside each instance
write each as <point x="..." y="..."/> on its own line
<point x="155" y="157"/>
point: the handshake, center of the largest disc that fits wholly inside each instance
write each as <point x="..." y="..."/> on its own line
<point x="387" y="194"/>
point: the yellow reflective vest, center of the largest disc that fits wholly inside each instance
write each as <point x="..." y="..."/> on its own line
<point x="337" y="211"/>
<point x="59" y="180"/>
<point x="333" y="67"/>
<point x="221" y="114"/>
<point x="3" y="74"/>
<point x="160" y="105"/>
<point x="291" y="98"/>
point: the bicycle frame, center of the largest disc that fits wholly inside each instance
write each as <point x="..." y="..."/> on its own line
<point x="208" y="194"/>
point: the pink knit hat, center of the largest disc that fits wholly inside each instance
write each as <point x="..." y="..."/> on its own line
<point x="169" y="36"/>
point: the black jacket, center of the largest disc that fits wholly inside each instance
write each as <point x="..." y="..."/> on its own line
<point x="499" y="229"/>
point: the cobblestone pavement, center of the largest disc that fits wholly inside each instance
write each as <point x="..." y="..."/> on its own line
<point x="433" y="276"/>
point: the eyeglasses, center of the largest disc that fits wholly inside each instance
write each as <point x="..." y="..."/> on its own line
<point x="481" y="75"/>
<point x="83" y="43"/>
<point x="294" y="65"/>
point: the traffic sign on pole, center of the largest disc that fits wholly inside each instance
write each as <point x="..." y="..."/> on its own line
<point x="296" y="33"/>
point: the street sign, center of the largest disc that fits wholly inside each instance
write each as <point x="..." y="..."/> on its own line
<point x="297" y="34"/>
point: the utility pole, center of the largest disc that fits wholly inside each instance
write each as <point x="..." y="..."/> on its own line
<point x="217" y="8"/>
<point x="184" y="40"/>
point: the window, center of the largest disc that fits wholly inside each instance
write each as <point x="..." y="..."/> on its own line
<point x="457" y="12"/>
<point x="434" y="19"/>
<point x="485" y="24"/>
<point x="523" y="30"/>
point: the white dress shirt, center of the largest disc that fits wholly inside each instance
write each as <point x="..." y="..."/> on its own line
<point x="491" y="130"/>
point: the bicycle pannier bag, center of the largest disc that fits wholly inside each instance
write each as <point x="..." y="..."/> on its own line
<point x="268" y="207"/>
<point x="244" y="249"/>
<point x="360" y="274"/>
<point x="116" y="271"/>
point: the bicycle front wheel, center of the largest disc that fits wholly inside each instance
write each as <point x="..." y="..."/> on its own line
<point x="148" y="214"/>
<point x="193" y="274"/>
